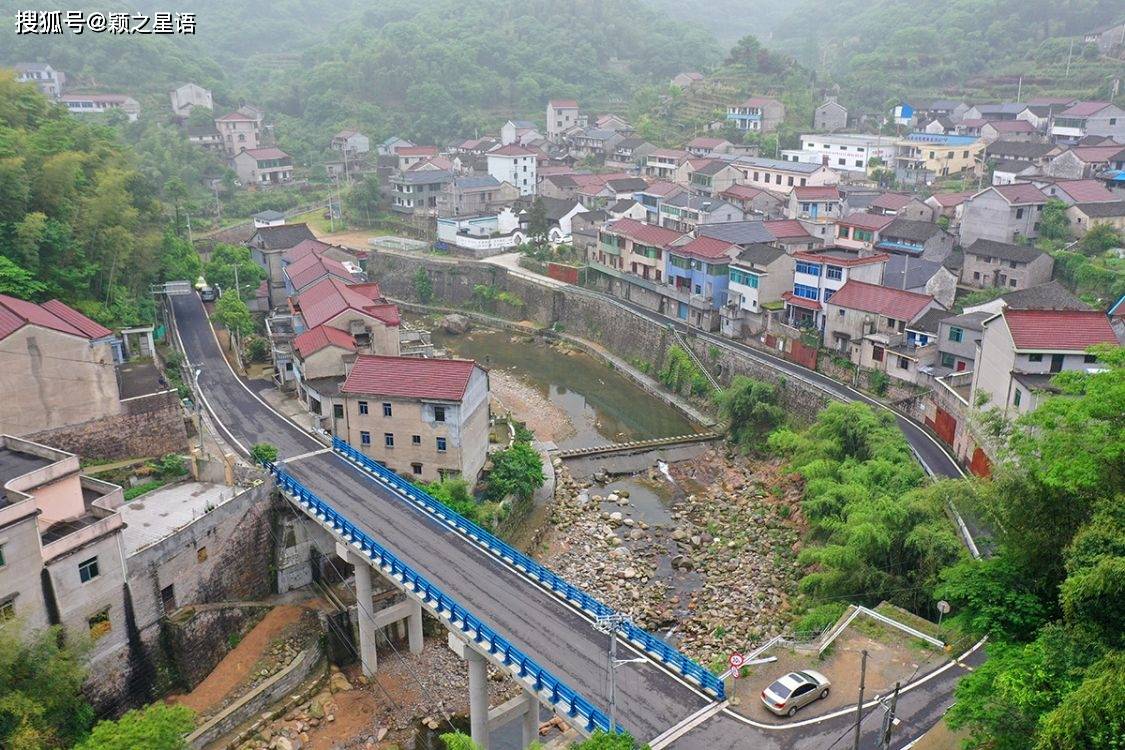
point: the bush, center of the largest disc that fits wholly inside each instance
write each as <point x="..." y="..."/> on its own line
<point x="158" y="726"/>
<point x="144" y="487"/>
<point x="878" y="381"/>
<point x="263" y="453"/>
<point x="172" y="465"/>
<point x="455" y="495"/>
<point x="516" y="471"/>
<point x="820" y="617"/>
<point x="750" y="407"/>
<point x="257" y="349"/>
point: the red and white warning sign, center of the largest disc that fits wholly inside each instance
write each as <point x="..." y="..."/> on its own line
<point x="736" y="661"/>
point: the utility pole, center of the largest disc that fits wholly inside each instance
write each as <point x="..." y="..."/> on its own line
<point x="198" y="409"/>
<point x="859" y="703"/>
<point x="1069" y="53"/>
<point x="610" y="624"/>
<point x="889" y="721"/>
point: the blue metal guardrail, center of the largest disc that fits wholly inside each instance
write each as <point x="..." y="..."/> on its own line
<point x="684" y="666"/>
<point x="544" y="682"/>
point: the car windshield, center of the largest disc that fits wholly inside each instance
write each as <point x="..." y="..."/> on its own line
<point x="780" y="689"/>
<point x="808" y="677"/>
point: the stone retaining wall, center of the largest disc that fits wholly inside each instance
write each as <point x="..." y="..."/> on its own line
<point x="150" y="425"/>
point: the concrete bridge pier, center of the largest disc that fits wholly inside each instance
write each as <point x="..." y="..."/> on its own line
<point x="483" y="720"/>
<point x="367" y="654"/>
<point x="478" y="697"/>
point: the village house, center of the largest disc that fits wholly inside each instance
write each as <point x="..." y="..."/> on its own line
<point x="990" y="263"/>
<point x="685" y="212"/>
<point x="957" y="339"/>
<point x="351" y="143"/>
<point x="519" y="132"/>
<point x="1071" y="192"/>
<point x="204" y="136"/>
<point x="1005" y="213"/>
<point x="949" y="108"/>
<point x="819" y="274"/>
<point x="584" y="228"/>
<point x="662" y="163"/>
<point x="355" y="308"/>
<point x="653" y="195"/>
<point x="921" y="276"/>
<point x="1020" y="351"/>
<point x="992" y="111"/>
<point x="594" y="143"/>
<point x="758" y="114"/>
<point x="711" y="178"/>
<point x="754" y="202"/>
<point x="830" y="116"/>
<point x="1108" y="38"/>
<point x="848" y="152"/>
<point x="560" y="215"/>
<point x="241" y="129"/>
<point x="96" y="104"/>
<point x="1084" y="216"/>
<point x="45" y="78"/>
<point x="918" y="239"/>
<point x="697" y="270"/>
<point x="630" y="154"/>
<point x="706" y="146"/>
<point x="263" y="167"/>
<point x="902" y="206"/>
<point x="423" y="418"/>
<point x="416" y="190"/>
<point x="949" y="206"/>
<point x="472" y="195"/>
<point x="634" y="247"/>
<point x="562" y="115"/>
<point x="921" y="158"/>
<point x="1036" y="153"/>
<point x="1008" y="130"/>
<point x="792" y="235"/>
<point x="860" y="231"/>
<point x="782" y="176"/>
<point x="815" y="204"/>
<point x="516" y="166"/>
<point x="1011" y="171"/>
<point x="187" y="97"/>
<point x="613" y="122"/>
<point x="267" y="246"/>
<point x="311" y="268"/>
<point x="1089" y="118"/>
<point x="758" y="276"/>
<point x="686" y="80"/>
<point x="867" y="323"/>
<point x="1086" y="161"/>
<point x="481" y="236"/>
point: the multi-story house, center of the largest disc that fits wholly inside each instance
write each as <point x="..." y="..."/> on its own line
<point x="263" y="167"/>
<point x="268" y="246"/>
<point x="1085" y="161"/>
<point x="698" y="272"/>
<point x="867" y="323"/>
<point x="957" y="339"/>
<point x="241" y="129"/>
<point x="562" y="115"/>
<point x="684" y="212"/>
<point x="815" y="204"/>
<point x="819" y="274"/>
<point x="1004" y="213"/>
<point x="713" y="177"/>
<point x="759" y="275"/>
<point x="754" y="202"/>
<point x="989" y="263"/>
<point x="848" y="152"/>
<point x="916" y="239"/>
<point x="96" y="104"/>
<point x="417" y="191"/>
<point x="1084" y="216"/>
<point x="662" y="163"/>
<point x="988" y="111"/>
<point x="950" y="206"/>
<point x="653" y="195"/>
<point x="516" y="166"/>
<point x="630" y="154"/>
<point x="519" y="132"/>
<point x="187" y="97"/>
<point x="1009" y="130"/>
<point x="921" y="276"/>
<point x="782" y="176"/>
<point x="425" y="418"/>
<point x="351" y="143"/>
<point x="902" y="206"/>
<point x="830" y="116"/>
<point x="594" y="142"/>
<point x="1021" y="350"/>
<point x="1089" y="118"/>
<point x="860" y="231"/>
<point x="634" y="247"/>
<point x="706" y="146"/>
<point x="48" y="80"/>
<point x="473" y="195"/>
<point x="758" y="114"/>
<point x="921" y="158"/>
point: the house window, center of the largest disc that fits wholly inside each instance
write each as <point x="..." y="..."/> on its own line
<point x="3" y="561"/>
<point x="1019" y="213"/>
<point x="808" y="292"/>
<point x="168" y="597"/>
<point x="841" y="312"/>
<point x="99" y="624"/>
<point x="1035" y="358"/>
<point x="976" y="275"/>
<point x="903" y="363"/>
<point x="1090" y="358"/>
<point x="1017" y="397"/>
<point x="812" y="269"/>
<point x="876" y="351"/>
<point x="362" y="407"/>
<point x="416" y="469"/>
<point x="7" y="609"/>
<point x="946" y="359"/>
<point x="1012" y="283"/>
<point x="439" y="413"/>
<point x="415" y="439"/>
<point x="1013" y="264"/>
<point x="890" y="322"/>
<point x="338" y="411"/>
<point x="386" y="410"/>
<point x="956" y="334"/>
<point x="834" y="272"/>
<point x="388" y="440"/>
<point x="88" y="569"/>
<point x="365" y="438"/>
<point x="441" y="445"/>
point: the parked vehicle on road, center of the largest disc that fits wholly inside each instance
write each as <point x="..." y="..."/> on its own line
<point x="208" y="294"/>
<point x="795" y="690"/>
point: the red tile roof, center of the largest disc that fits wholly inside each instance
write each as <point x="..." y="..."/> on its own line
<point x="838" y="256"/>
<point x="315" y="339"/>
<point x="563" y="103"/>
<point x="742" y="192"/>
<point x="1011" y="126"/>
<point x="236" y="116"/>
<point x="863" y="220"/>
<point x="1084" y="109"/>
<point x="663" y="188"/>
<point x="669" y="153"/>
<point x="816" y="193"/>
<point x="327" y="298"/>
<point x="303" y="248"/>
<point x="314" y="266"/>
<point x="1058" y="330"/>
<point x="796" y="301"/>
<point x="1020" y="192"/>
<point x="1096" y="154"/>
<point x="881" y="300"/>
<point x="706" y="248"/>
<point x="16" y="313"/>
<point x="511" y="150"/>
<point x="758" y="101"/>
<point x="409" y="377"/>
<point x="1087" y="191"/>
<point x="785" y="229"/>
<point x="416" y="151"/>
<point x="892" y="201"/>
<point x="948" y="200"/>
<point x="705" y="142"/>
<point x="646" y="234"/>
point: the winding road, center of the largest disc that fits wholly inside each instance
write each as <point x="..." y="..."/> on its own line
<point x="562" y="639"/>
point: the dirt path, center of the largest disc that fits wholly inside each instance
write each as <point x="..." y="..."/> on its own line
<point x="235" y="667"/>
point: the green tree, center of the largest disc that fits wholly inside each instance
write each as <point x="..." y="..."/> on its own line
<point x="517" y="471"/>
<point x="1092" y="716"/>
<point x="1100" y="238"/>
<point x="362" y="200"/>
<point x="220" y="270"/>
<point x="178" y="259"/>
<point x="750" y="407"/>
<point x="456" y="495"/>
<point x="158" y="726"/>
<point x="538" y="225"/>
<point x="263" y="453"/>
<point x="423" y="287"/>
<point x="1054" y="226"/>
<point x="41" y="702"/>
<point x="18" y="282"/>
<point x="232" y="313"/>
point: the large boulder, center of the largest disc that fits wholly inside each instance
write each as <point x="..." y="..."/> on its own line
<point x="454" y="323"/>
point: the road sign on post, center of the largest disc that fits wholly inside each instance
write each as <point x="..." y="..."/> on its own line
<point x="736" y="661"/>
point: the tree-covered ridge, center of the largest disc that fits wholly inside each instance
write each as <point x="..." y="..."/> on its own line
<point x="75" y="214"/>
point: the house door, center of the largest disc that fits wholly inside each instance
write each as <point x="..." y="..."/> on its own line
<point x="960" y="365"/>
<point x="1057" y="362"/>
<point x="682" y="311"/>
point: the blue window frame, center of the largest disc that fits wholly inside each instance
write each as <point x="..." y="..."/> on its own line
<point x="834" y="272"/>
<point x="828" y="294"/>
<point x="808" y="292"/>
<point x="812" y="269"/>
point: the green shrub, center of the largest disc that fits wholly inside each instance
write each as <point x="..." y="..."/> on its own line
<point x="263" y="453"/>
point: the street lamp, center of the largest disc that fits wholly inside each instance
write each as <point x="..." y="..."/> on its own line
<point x="198" y="407"/>
<point x="610" y="624"/>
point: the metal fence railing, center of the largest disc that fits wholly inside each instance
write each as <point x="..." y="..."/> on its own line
<point x="643" y="640"/>
<point x="546" y="685"/>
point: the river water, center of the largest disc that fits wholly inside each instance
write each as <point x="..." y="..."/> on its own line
<point x="603" y="405"/>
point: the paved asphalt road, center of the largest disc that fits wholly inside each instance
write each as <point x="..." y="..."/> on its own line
<point x="561" y="639"/>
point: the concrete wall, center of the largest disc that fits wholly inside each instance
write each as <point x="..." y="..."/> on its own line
<point x="50" y="380"/>
<point x="20" y="580"/>
<point x="989" y="216"/>
<point x="146" y="426"/>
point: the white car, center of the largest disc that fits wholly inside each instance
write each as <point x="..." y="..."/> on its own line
<point x="795" y="690"/>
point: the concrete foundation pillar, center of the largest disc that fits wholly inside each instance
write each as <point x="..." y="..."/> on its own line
<point x="367" y="654"/>
<point x="478" y="697"/>
<point x="414" y="626"/>
<point x="531" y="720"/>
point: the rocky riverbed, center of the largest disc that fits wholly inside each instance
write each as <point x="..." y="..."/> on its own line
<point x="714" y="572"/>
